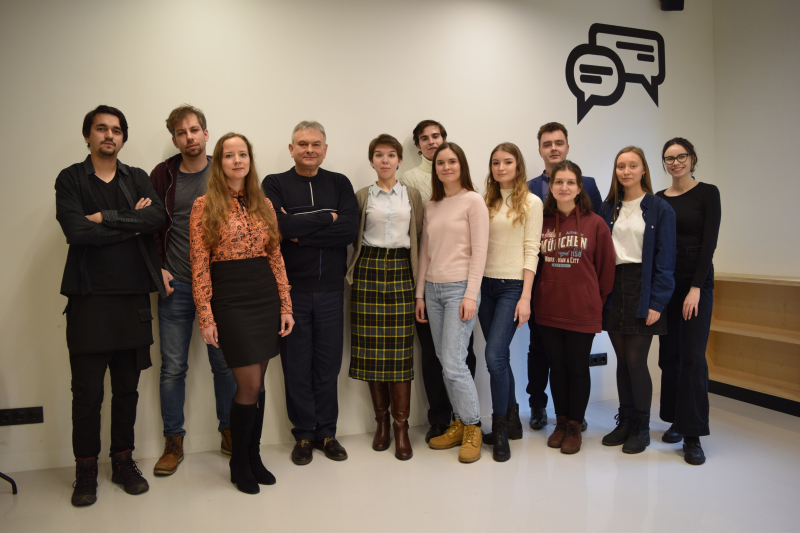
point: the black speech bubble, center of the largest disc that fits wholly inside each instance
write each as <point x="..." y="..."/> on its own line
<point x="650" y="85"/>
<point x="584" y="104"/>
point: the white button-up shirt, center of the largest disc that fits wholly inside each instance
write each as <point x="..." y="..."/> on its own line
<point x="388" y="218"/>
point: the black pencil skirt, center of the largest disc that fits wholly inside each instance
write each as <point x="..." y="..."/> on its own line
<point x="247" y="310"/>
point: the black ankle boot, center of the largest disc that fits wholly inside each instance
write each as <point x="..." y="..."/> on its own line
<point x="260" y="472"/>
<point x="671" y="436"/>
<point x="85" y="485"/>
<point x="242" y="418"/>
<point x="692" y="451"/>
<point x="514" y="423"/>
<point x="639" y="438"/>
<point x="126" y="473"/>
<point x="501" y="451"/>
<point x="623" y="429"/>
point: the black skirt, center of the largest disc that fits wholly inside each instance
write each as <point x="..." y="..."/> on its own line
<point x="621" y="318"/>
<point x="247" y="310"/>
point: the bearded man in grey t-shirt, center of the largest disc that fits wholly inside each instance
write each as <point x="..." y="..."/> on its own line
<point x="179" y="181"/>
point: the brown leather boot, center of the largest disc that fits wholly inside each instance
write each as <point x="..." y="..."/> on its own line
<point x="572" y="437"/>
<point x="380" y="402"/>
<point x="172" y="456"/>
<point x="401" y="407"/>
<point x="226" y="446"/>
<point x="557" y="437"/>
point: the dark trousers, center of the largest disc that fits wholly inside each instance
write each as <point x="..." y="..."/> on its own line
<point x="538" y="363"/>
<point x="439" y="411"/>
<point x="88" y="373"/>
<point x="570" y="381"/>
<point x="682" y="353"/>
<point x="312" y="357"/>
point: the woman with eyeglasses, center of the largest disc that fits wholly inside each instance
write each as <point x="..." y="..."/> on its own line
<point x="682" y="352"/>
<point x="643" y="230"/>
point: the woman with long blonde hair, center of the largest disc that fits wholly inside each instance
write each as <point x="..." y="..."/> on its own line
<point x="241" y="292"/>
<point x="643" y="230"/>
<point x="515" y="229"/>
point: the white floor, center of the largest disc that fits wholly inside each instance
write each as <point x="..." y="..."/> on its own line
<point x="750" y="482"/>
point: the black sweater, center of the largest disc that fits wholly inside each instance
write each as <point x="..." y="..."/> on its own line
<point x="698" y="213"/>
<point x="317" y="262"/>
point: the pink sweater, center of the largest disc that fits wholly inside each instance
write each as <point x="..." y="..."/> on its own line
<point x="455" y="237"/>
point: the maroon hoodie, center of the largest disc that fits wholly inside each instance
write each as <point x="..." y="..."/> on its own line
<point x="575" y="274"/>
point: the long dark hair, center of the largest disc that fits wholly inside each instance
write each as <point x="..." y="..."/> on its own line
<point x="436" y="184"/>
<point x="582" y="201"/>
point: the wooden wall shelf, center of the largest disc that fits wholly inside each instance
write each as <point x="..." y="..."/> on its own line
<point x="755" y="334"/>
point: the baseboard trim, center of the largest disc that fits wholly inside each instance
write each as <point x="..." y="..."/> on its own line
<point x="782" y="405"/>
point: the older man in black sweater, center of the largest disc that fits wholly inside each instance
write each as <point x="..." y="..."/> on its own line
<point x="318" y="218"/>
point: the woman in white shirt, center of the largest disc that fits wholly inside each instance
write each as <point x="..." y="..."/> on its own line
<point x="381" y="274"/>
<point x="643" y="230"/>
<point x="515" y="230"/>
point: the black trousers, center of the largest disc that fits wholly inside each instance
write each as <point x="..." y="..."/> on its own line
<point x="88" y="373"/>
<point x="440" y="411"/>
<point x="538" y="363"/>
<point x="570" y="381"/>
<point x="682" y="352"/>
<point x="311" y="356"/>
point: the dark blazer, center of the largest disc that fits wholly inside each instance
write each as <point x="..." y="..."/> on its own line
<point x="74" y="200"/>
<point x="658" y="253"/>
<point x="535" y="186"/>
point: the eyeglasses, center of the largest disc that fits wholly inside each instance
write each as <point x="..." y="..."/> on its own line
<point x="681" y="159"/>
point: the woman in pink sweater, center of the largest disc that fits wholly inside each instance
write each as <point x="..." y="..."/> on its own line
<point x="455" y="237"/>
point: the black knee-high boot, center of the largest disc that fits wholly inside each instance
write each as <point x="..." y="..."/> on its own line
<point x="262" y="475"/>
<point x="242" y="418"/>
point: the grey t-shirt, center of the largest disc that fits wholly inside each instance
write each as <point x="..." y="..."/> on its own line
<point x="188" y="188"/>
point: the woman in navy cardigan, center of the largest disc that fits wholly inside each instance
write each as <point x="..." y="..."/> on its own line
<point x="643" y="231"/>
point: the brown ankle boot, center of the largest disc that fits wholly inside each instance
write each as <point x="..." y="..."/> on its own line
<point x="380" y="402"/>
<point x="572" y="438"/>
<point x="557" y="437"/>
<point x="401" y="407"/>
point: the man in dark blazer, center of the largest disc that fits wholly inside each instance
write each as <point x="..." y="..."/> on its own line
<point x="553" y="148"/>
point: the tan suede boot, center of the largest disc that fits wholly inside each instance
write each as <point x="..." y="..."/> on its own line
<point x="172" y="456"/>
<point x="471" y="445"/>
<point x="451" y="438"/>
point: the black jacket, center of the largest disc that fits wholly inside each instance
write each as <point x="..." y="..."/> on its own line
<point x="74" y="200"/>
<point x="317" y="262"/>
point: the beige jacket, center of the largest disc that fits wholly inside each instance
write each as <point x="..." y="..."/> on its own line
<point x="414" y="231"/>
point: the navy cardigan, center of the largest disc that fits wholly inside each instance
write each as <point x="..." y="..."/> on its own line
<point x="658" y="252"/>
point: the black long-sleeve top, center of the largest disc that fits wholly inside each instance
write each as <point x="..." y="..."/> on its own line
<point x="317" y="262"/>
<point x="95" y="262"/>
<point x="698" y="212"/>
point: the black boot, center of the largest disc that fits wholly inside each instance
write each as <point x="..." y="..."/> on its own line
<point x="639" y="438"/>
<point x="85" y="485"/>
<point x="623" y="429"/>
<point x="514" y="423"/>
<point x="242" y="418"/>
<point x="671" y="436"/>
<point x="501" y="452"/>
<point x="538" y="417"/>
<point x="126" y="473"/>
<point x="262" y="475"/>
<point x="693" y="452"/>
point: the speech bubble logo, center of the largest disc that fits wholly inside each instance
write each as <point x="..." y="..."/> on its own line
<point x="595" y="76"/>
<point x="598" y="72"/>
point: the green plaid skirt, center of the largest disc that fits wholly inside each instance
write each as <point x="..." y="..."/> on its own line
<point x="382" y="316"/>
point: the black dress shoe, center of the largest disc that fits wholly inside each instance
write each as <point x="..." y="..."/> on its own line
<point x="437" y="430"/>
<point x="333" y="450"/>
<point x="693" y="453"/>
<point x="302" y="452"/>
<point x="538" y="417"/>
<point x="671" y="436"/>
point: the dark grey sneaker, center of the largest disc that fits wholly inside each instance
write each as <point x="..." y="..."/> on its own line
<point x="127" y="474"/>
<point x="85" y="485"/>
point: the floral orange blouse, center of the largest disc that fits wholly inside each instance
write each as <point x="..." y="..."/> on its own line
<point x="239" y="240"/>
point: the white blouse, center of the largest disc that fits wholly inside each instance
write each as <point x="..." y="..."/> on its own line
<point x="628" y="232"/>
<point x="388" y="218"/>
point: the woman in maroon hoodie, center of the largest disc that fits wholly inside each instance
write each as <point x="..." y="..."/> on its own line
<point x="576" y="276"/>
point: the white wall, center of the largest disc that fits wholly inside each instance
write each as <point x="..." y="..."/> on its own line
<point x="491" y="71"/>
<point x="757" y="75"/>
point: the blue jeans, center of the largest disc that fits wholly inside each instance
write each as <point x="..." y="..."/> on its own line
<point x="175" y="323"/>
<point x="499" y="298"/>
<point x="450" y="337"/>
